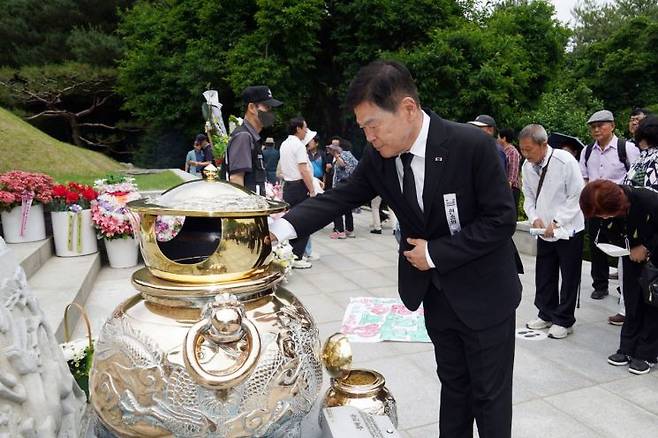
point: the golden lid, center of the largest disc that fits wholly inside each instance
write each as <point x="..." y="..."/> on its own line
<point x="360" y="382"/>
<point x="337" y="356"/>
<point x="208" y="198"/>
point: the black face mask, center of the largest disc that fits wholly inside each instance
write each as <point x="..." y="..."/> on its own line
<point x="266" y="118"/>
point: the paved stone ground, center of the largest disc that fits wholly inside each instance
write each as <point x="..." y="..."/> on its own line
<point x="562" y="388"/>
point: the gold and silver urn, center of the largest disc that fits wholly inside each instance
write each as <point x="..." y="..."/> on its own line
<point x="212" y="345"/>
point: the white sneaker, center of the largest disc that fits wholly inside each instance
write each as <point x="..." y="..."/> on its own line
<point x="312" y="257"/>
<point x="559" y="332"/>
<point x="538" y="324"/>
<point x="301" y="264"/>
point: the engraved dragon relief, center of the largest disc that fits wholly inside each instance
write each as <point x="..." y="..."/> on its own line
<point x="272" y="402"/>
<point x="38" y="395"/>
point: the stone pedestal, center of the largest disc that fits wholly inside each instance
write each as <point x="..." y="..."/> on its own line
<point x="38" y="396"/>
<point x="525" y="243"/>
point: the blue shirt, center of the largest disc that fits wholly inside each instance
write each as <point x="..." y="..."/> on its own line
<point x="194" y="155"/>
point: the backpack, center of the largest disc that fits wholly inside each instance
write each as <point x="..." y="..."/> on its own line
<point x="621" y="152"/>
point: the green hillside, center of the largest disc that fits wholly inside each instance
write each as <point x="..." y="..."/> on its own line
<point x="24" y="147"/>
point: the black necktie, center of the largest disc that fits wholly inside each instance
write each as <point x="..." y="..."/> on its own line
<point x="409" y="184"/>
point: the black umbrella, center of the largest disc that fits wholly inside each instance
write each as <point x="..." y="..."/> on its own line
<point x="557" y="141"/>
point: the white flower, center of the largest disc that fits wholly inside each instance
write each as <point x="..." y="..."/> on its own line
<point x="74" y="350"/>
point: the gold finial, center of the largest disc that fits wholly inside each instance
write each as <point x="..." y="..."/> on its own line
<point x="210" y="172"/>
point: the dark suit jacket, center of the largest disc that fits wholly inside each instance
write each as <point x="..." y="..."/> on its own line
<point x="476" y="267"/>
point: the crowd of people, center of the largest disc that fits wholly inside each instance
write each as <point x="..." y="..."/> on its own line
<point x="607" y="190"/>
<point x="454" y="251"/>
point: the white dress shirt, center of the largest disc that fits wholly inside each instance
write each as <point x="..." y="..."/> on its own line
<point x="291" y="154"/>
<point x="283" y="230"/>
<point x="418" y="161"/>
<point x="560" y="194"/>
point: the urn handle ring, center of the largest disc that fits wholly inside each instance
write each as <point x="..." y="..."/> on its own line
<point x="225" y="329"/>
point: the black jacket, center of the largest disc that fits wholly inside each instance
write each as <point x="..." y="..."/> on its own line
<point x="476" y="267"/>
<point x="642" y="218"/>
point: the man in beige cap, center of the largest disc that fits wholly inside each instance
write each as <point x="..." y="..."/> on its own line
<point x="608" y="158"/>
<point x="270" y="159"/>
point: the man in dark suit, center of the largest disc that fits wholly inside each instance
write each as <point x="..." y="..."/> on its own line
<point x="444" y="183"/>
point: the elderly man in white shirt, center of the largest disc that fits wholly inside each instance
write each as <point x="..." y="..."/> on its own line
<point x="552" y="183"/>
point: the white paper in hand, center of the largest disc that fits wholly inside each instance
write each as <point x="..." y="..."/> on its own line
<point x="613" y="250"/>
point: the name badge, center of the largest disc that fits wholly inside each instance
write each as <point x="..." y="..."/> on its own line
<point x="452" y="213"/>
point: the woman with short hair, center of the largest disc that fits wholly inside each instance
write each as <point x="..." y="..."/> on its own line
<point x="637" y="210"/>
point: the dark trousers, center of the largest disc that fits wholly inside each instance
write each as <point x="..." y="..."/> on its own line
<point x="517" y="196"/>
<point x="558" y="303"/>
<point x="295" y="192"/>
<point x="348" y="225"/>
<point x="475" y="369"/>
<point x="639" y="334"/>
<point x="600" y="269"/>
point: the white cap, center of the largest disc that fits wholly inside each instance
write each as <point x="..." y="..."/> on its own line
<point x="310" y="135"/>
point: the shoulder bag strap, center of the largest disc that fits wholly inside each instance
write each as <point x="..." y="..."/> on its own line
<point x="543" y="175"/>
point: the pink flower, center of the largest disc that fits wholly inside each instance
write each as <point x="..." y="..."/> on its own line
<point x="7" y="197"/>
<point x="18" y="182"/>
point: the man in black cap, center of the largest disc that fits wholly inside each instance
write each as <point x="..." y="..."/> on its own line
<point x="206" y="149"/>
<point x="488" y="125"/>
<point x="244" y="152"/>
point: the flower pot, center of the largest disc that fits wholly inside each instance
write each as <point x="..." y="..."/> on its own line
<point x="122" y="253"/>
<point x="74" y="233"/>
<point x="35" y="226"/>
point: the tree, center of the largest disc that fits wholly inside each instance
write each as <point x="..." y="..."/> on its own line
<point x="495" y="59"/>
<point x="70" y="92"/>
<point x="175" y="49"/>
<point x="500" y="66"/>
<point x="564" y="110"/>
<point x="39" y="32"/>
<point x="621" y="69"/>
<point x="595" y="20"/>
<point x="58" y="57"/>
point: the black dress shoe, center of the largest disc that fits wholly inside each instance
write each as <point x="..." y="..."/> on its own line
<point x="376" y="231"/>
<point x="599" y="294"/>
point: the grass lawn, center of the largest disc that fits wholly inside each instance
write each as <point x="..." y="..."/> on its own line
<point x="151" y="181"/>
<point x="24" y="147"/>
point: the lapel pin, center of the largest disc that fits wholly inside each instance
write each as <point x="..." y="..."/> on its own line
<point x="438" y="158"/>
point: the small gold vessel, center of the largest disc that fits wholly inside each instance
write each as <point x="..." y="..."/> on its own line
<point x="356" y="387"/>
<point x="212" y="345"/>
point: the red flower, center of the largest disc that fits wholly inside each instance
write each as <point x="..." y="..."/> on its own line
<point x="89" y="194"/>
<point x="72" y="197"/>
<point x="59" y="191"/>
<point x="75" y="187"/>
